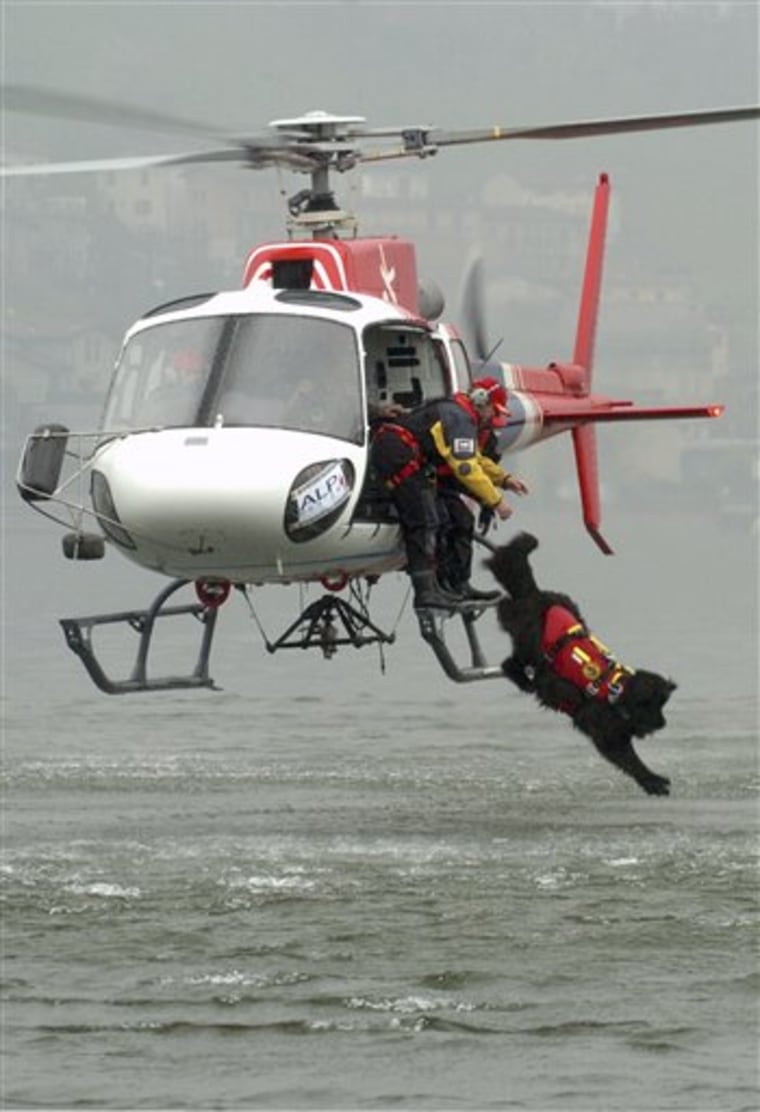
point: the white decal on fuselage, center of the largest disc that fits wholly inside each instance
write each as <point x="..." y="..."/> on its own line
<point x="320" y="497"/>
<point x="388" y="275"/>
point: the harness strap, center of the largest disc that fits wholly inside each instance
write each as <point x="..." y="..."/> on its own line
<point x="404" y="434"/>
<point x="593" y="688"/>
<point x="617" y="678"/>
<point x="408" y="469"/>
<point x="577" y="632"/>
<point x="406" y="437"/>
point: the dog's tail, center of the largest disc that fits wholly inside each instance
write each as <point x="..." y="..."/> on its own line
<point x="510" y="565"/>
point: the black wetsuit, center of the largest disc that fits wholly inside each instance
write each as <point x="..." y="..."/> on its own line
<point x="408" y="453"/>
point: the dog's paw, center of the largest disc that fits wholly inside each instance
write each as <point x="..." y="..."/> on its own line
<point x="655" y="785"/>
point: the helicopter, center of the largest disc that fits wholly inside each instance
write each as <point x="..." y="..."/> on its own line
<point x="233" y="451"/>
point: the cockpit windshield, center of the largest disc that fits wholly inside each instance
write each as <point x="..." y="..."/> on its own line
<point x="293" y="372"/>
<point x="161" y="375"/>
<point x="270" y="370"/>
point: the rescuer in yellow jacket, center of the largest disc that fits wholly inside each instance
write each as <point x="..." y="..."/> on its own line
<point x="408" y="453"/>
<point x="456" y="533"/>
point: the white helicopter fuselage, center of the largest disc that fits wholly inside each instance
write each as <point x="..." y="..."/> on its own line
<point x="208" y="469"/>
<point x="211" y="503"/>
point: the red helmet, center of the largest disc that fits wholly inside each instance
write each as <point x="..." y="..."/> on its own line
<point x="489" y="390"/>
<point x="187" y="361"/>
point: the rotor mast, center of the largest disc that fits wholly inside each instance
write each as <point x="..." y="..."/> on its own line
<point x="326" y="142"/>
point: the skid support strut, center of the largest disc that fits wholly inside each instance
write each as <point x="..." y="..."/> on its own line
<point x="78" y="633"/>
<point x="431" y="628"/>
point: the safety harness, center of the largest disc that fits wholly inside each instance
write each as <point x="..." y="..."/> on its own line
<point x="406" y="437"/>
<point x="578" y="656"/>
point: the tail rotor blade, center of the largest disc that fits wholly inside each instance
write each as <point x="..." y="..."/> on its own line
<point x="473" y="309"/>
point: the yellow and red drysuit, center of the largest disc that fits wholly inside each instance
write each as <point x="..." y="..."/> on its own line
<point x="457" y="522"/>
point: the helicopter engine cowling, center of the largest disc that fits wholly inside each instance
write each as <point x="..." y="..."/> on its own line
<point x="430" y="299"/>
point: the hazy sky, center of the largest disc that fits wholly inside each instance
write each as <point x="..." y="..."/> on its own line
<point x="239" y="65"/>
<point x="685" y="202"/>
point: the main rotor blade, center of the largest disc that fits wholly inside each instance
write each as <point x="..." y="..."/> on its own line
<point x="46" y="102"/>
<point x="303" y="147"/>
<point x="254" y="156"/>
<point x="585" y="128"/>
<point x="139" y="162"/>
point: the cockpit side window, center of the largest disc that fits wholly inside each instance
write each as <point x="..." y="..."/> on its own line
<point x="402" y="365"/>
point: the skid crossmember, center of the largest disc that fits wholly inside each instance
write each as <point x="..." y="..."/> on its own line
<point x="78" y="633"/>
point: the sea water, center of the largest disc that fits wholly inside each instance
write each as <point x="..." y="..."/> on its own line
<point x="350" y="883"/>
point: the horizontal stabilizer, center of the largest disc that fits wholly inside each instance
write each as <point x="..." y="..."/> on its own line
<point x="622" y="411"/>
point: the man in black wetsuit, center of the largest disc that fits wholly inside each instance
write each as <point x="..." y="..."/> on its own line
<point x="407" y="453"/>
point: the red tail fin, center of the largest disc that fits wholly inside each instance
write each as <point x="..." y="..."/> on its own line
<point x="585" y="333"/>
<point x="584" y="443"/>
<point x="584" y="436"/>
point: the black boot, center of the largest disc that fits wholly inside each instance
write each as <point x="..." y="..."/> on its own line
<point x="472" y="594"/>
<point x="428" y="594"/>
<point x="447" y="588"/>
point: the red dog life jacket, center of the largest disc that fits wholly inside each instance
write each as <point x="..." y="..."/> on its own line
<point x="577" y="656"/>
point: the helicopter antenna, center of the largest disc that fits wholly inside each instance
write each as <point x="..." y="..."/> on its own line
<point x="493" y="350"/>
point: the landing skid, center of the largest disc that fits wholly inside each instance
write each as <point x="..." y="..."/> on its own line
<point x="78" y="633"/>
<point x="432" y="630"/>
<point x="325" y="624"/>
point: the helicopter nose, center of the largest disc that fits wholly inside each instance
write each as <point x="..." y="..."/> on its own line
<point x="229" y="496"/>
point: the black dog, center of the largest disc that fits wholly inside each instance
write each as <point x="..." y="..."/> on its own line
<point x="555" y="658"/>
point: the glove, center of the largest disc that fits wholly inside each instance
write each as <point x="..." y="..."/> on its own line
<point x="485" y="520"/>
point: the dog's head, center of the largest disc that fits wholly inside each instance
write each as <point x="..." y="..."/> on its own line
<point x="510" y="566"/>
<point x="645" y="695"/>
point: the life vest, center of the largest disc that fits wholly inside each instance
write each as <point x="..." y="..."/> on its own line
<point x="578" y="656"/>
